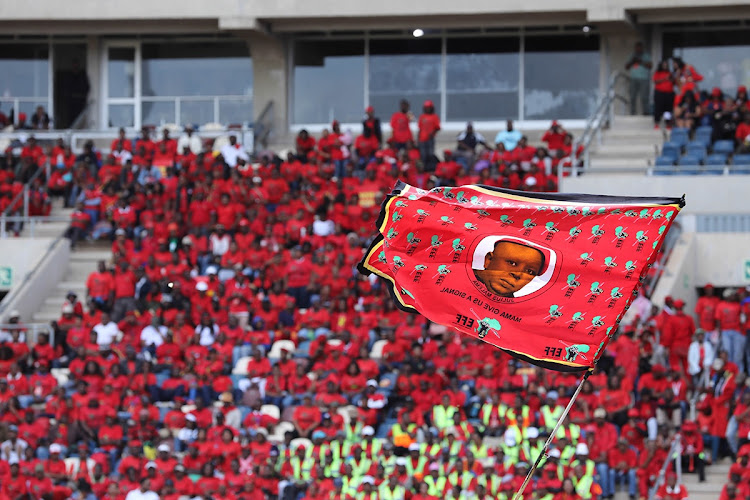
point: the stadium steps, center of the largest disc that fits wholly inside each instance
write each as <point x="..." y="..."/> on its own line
<point x="630" y="143"/>
<point x="82" y="262"/>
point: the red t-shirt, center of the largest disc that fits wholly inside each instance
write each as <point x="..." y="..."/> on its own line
<point x="400" y="127"/>
<point x="429" y="125"/>
<point x="728" y="315"/>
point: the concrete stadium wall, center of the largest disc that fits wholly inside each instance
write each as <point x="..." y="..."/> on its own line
<point x="700" y="258"/>
<point x="43" y="261"/>
<point x="704" y="194"/>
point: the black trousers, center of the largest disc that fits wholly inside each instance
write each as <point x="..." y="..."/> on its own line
<point x="663" y="102"/>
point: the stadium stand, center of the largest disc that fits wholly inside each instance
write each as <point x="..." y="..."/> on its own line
<point x="229" y="349"/>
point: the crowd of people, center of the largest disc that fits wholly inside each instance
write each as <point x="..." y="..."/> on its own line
<point x="679" y="100"/>
<point x="230" y="350"/>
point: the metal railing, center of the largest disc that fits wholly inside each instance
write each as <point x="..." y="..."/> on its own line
<point x="673" y="236"/>
<point x="263" y="127"/>
<point x="675" y="452"/>
<point x="603" y="116"/>
<point x="31" y="331"/>
<point x="81" y="118"/>
<point x="7" y="215"/>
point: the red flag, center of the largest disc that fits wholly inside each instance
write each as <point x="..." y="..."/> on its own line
<point x="544" y="276"/>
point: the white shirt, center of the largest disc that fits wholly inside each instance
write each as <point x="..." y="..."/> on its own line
<point x="189" y="141"/>
<point x="220" y="245"/>
<point x="323" y="227"/>
<point x="207" y="334"/>
<point x="137" y="494"/>
<point x="10" y="451"/>
<point x="694" y="356"/>
<point x="106" y="334"/>
<point x="233" y="153"/>
<point x="152" y="335"/>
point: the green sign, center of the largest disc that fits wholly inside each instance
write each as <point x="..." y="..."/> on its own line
<point x="747" y="269"/>
<point x="6" y="276"/>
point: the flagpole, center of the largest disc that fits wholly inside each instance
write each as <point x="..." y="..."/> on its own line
<point x="551" y="436"/>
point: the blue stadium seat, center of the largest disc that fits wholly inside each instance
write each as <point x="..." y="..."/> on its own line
<point x="716" y="159"/>
<point x="697" y="150"/>
<point x="703" y="135"/>
<point x="716" y="169"/>
<point x="680" y="136"/>
<point x="693" y="164"/>
<point x="236" y="379"/>
<point x="664" y="170"/>
<point x="726" y="147"/>
<point x="743" y="159"/>
<point x="671" y="149"/>
<point x="160" y="378"/>
<point x="664" y="161"/>
<point x="163" y="410"/>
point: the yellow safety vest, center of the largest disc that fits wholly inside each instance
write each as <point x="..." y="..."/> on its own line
<point x="397" y="431"/>
<point x="583" y="485"/>
<point x="488" y="409"/>
<point x="442" y="417"/>
<point x="478" y="451"/>
<point x="361" y="467"/>
<point x="361" y="495"/>
<point x="492" y="485"/>
<point x="550" y="417"/>
<point x="387" y="494"/>
<point x="433" y="450"/>
<point x="453" y="449"/>
<point x="435" y="487"/>
<point x="589" y="466"/>
<point x="410" y="469"/>
<point x="354" y="434"/>
<point x="464" y="480"/>
<point x="574" y="429"/>
<point x="513" y="418"/>
<point x="301" y="468"/>
<point x="567" y="454"/>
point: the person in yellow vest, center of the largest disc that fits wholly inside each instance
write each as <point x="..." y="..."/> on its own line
<point x="582" y="459"/>
<point x="550" y="412"/>
<point x="391" y="490"/>
<point x="370" y="446"/>
<point x="568" y="429"/>
<point x="519" y="415"/>
<point x="461" y="477"/>
<point x="477" y="447"/>
<point x="415" y="463"/>
<point x="510" y="444"/>
<point x="454" y="446"/>
<point x="387" y="459"/>
<point x="490" y="481"/>
<point x="503" y="464"/>
<point x="442" y="414"/>
<point x="430" y="448"/>
<point x="367" y="491"/>
<point x="479" y="493"/>
<point x="461" y="428"/>
<point x="533" y="445"/>
<point x="492" y="416"/>
<point x="567" y="451"/>
<point x="403" y="432"/>
<point x="436" y="483"/>
<point x="584" y="483"/>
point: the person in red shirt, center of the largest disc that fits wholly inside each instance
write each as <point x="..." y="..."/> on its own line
<point x="622" y="463"/>
<point x="670" y="490"/>
<point x="401" y="134"/>
<point x="555" y="136"/>
<point x="124" y="291"/>
<point x="80" y="220"/>
<point x="39" y="485"/>
<point x="429" y="126"/>
<point x="306" y="417"/>
<point x="663" y="91"/>
<point x="742" y="134"/>
<point x="13" y="485"/>
<point x="727" y="315"/>
<point x="297" y="276"/>
<point x="677" y="335"/>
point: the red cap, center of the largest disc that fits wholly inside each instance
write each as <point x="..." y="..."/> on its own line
<point x="136" y="443"/>
<point x="335" y="122"/>
<point x="671" y="475"/>
<point x="658" y="369"/>
<point x="555" y="123"/>
<point x="716" y="92"/>
<point x="428" y="104"/>
<point x="379" y="154"/>
<point x="21" y="117"/>
<point x="742" y="88"/>
<point x="679" y="304"/>
<point x="708" y="285"/>
<point x="172" y="226"/>
<point x="448" y="152"/>
<point x="633" y="413"/>
<point x="668" y="299"/>
<point x="244" y="222"/>
<point x="369" y="109"/>
<point x="689" y="426"/>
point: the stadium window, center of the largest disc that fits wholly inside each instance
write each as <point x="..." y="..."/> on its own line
<point x="196" y="83"/>
<point x="482" y="78"/>
<point x="24" y="77"/>
<point x="719" y="54"/>
<point x="404" y="69"/>
<point x="329" y="81"/>
<point x="561" y="76"/>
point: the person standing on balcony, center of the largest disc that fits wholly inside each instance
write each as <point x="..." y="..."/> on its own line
<point x="639" y="70"/>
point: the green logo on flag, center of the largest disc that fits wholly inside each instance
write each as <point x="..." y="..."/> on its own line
<point x="446" y="220"/>
<point x="397" y="261"/>
<point x="470" y="227"/>
<point x="392" y="233"/>
<point x="401" y="203"/>
<point x="412" y="239"/>
<point x="382" y="258"/>
<point x="396" y="217"/>
<point x="528" y="223"/>
<point x="435" y="242"/>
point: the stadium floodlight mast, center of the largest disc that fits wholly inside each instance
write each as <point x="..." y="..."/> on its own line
<point x="418" y="32"/>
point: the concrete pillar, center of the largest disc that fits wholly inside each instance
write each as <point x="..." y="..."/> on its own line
<point x="94" y="70"/>
<point x="271" y="79"/>
<point x="618" y="40"/>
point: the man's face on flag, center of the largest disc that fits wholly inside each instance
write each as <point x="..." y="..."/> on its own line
<point x="509" y="267"/>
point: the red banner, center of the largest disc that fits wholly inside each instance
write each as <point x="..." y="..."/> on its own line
<point x="545" y="277"/>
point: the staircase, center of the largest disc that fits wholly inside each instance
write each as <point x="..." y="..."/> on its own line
<point x="631" y="142"/>
<point x="716" y="478"/>
<point x="82" y="262"/>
